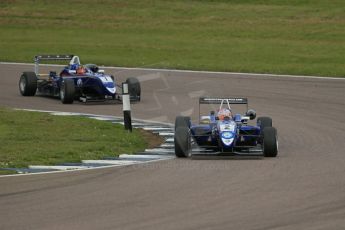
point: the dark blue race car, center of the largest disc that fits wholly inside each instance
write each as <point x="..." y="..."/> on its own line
<point x="75" y="82"/>
<point x="225" y="133"/>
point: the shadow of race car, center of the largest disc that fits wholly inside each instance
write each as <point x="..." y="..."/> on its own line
<point x="223" y="133"/>
<point x="75" y="82"/>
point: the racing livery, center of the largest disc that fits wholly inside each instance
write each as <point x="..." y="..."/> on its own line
<point x="75" y="81"/>
<point x="225" y="133"/>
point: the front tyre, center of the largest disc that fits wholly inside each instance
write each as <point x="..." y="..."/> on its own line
<point x="264" y="122"/>
<point x="270" y="142"/>
<point x="28" y="84"/>
<point x="182" y="121"/>
<point x="67" y="91"/>
<point x="134" y="88"/>
<point x="182" y="142"/>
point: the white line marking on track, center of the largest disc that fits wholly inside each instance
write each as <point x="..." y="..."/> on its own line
<point x="166" y="134"/>
<point x="64" y="114"/>
<point x="160" y="150"/>
<point x="83" y="169"/>
<point x="127" y="156"/>
<point x="166" y="145"/>
<point x="56" y="167"/>
<point x="194" y="71"/>
<point x="110" y="162"/>
<point x="156" y="128"/>
<point x="169" y="140"/>
<point x="102" y="118"/>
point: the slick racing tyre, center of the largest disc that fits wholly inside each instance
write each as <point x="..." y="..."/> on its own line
<point x="182" y="142"/>
<point x="264" y="122"/>
<point x="134" y="88"/>
<point x="67" y="91"/>
<point x="28" y="84"/>
<point x="182" y="121"/>
<point x="270" y="142"/>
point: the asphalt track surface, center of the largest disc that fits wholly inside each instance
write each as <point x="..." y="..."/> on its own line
<point x="303" y="188"/>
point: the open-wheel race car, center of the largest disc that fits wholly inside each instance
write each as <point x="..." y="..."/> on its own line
<point x="75" y="82"/>
<point x="223" y="132"/>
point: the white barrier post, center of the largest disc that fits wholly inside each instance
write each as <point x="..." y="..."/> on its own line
<point x="127" y="119"/>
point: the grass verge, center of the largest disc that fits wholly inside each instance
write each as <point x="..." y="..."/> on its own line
<point x="7" y="172"/>
<point x="274" y="36"/>
<point x="33" y="138"/>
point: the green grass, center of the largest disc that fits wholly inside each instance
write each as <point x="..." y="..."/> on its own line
<point x="7" y="172"/>
<point x="32" y="138"/>
<point x="272" y="36"/>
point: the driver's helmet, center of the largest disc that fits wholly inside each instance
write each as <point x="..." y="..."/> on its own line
<point x="81" y="70"/>
<point x="224" y="113"/>
<point x="74" y="67"/>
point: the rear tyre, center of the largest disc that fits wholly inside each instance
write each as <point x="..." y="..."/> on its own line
<point x="134" y="88"/>
<point x="28" y="84"/>
<point x="67" y="91"/>
<point x="182" y="142"/>
<point x="270" y="142"/>
<point x="182" y="121"/>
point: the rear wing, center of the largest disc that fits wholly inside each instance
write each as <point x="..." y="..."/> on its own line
<point x="59" y="57"/>
<point x="54" y="57"/>
<point x="223" y="101"/>
<point x="213" y="100"/>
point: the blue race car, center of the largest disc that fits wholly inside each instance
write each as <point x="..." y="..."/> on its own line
<point x="75" y="82"/>
<point x="225" y="133"/>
